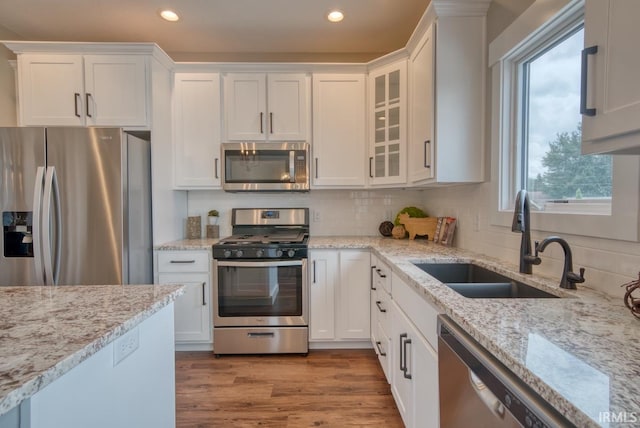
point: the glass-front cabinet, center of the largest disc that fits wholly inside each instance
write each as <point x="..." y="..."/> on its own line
<point x="388" y="93"/>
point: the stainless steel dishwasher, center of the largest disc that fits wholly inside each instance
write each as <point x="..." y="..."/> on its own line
<point x="476" y="390"/>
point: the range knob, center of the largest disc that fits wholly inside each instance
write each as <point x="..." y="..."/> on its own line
<point x="239" y="253"/>
<point x="259" y="253"/>
<point x="227" y="253"/>
<point x="291" y="253"/>
<point x="278" y="253"/>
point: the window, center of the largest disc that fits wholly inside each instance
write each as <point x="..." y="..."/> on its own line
<point x="535" y="132"/>
<point x="550" y="165"/>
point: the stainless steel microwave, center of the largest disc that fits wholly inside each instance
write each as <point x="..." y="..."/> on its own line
<point x="271" y="167"/>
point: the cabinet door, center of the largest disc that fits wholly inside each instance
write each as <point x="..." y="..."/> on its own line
<point x="414" y="374"/>
<point x="388" y="95"/>
<point x="323" y="278"/>
<point x="193" y="308"/>
<point x="339" y="117"/>
<point x="352" y="300"/>
<point x="116" y="90"/>
<point x="612" y="72"/>
<point x="288" y="107"/>
<point x="196" y="117"/>
<point x="245" y="106"/>
<point x="50" y="90"/>
<point x="421" y="79"/>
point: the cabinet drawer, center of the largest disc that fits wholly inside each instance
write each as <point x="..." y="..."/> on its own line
<point x="419" y="311"/>
<point x="382" y="304"/>
<point x="382" y="277"/>
<point x="183" y="261"/>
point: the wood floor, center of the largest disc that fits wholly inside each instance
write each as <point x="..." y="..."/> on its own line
<point x="327" y="388"/>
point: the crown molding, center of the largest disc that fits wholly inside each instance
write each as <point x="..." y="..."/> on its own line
<point x="461" y="7"/>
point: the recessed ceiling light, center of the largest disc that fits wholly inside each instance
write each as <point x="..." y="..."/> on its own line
<point x="335" y="16"/>
<point x="169" y="15"/>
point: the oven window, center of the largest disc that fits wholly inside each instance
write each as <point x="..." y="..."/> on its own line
<point x="259" y="291"/>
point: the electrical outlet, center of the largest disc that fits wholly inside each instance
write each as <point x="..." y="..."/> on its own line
<point x="125" y="346"/>
<point x="316" y="216"/>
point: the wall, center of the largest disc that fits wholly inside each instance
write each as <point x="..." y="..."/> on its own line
<point x="7" y="82"/>
<point x="333" y="212"/>
<point x="609" y="263"/>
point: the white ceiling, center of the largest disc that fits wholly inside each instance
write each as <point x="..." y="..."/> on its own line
<point x="227" y="30"/>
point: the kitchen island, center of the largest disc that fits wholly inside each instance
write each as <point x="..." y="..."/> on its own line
<point x="87" y="356"/>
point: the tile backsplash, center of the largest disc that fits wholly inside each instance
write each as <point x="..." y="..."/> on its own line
<point x="332" y="212"/>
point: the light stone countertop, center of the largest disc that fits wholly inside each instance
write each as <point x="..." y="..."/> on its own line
<point x="187" y="244"/>
<point x="47" y="331"/>
<point x="580" y="352"/>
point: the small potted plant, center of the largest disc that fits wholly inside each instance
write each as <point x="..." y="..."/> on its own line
<point x="213" y="216"/>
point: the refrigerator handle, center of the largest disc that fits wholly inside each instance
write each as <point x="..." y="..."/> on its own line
<point x="36" y="220"/>
<point x="51" y="254"/>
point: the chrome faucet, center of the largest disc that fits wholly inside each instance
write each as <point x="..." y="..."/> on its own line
<point x="569" y="278"/>
<point x="521" y="216"/>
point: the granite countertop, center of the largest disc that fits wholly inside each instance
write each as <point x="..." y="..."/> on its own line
<point x="579" y="352"/>
<point x="187" y="244"/>
<point x="47" y="331"/>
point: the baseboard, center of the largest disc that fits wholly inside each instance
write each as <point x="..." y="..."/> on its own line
<point x="360" y="344"/>
<point x="180" y="347"/>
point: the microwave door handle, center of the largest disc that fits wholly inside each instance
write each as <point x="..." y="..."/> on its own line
<point x="292" y="166"/>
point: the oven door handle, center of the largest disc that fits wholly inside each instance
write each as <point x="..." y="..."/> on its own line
<point x="276" y="263"/>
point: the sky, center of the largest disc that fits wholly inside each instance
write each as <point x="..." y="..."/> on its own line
<point x="554" y="97"/>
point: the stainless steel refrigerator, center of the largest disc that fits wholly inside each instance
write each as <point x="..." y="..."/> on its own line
<point x="75" y="206"/>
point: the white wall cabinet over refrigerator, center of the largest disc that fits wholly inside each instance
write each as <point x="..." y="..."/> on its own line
<point x="83" y="90"/>
<point x="267" y="106"/>
<point x="339" y="130"/>
<point x="196" y="130"/>
<point x="611" y="100"/>
<point x="446" y="86"/>
<point x="339" y="282"/>
<point x="193" y="310"/>
<point x="388" y="124"/>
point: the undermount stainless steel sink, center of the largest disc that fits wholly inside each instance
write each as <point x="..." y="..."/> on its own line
<point x="477" y="282"/>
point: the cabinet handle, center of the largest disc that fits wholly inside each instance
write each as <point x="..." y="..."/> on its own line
<point x="406" y="369"/>
<point x="316" y="167"/>
<point x="204" y="302"/>
<point x="370" y="161"/>
<point x="215" y="164"/>
<point x="380" y="308"/>
<point x="381" y="275"/>
<point x="261" y="119"/>
<point x="271" y="122"/>
<point x="372" y="287"/>
<point x="382" y="354"/>
<point x="591" y="50"/>
<point x="426" y="143"/>
<point x="87" y="96"/>
<point x="403" y="363"/>
<point x="314" y="271"/>
<point x="76" y="97"/>
<point x="182" y="261"/>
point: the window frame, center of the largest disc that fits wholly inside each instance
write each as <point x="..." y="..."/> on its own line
<point x="538" y="26"/>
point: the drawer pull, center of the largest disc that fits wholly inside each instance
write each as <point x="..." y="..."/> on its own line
<point x="182" y="261"/>
<point x="380" y="308"/>
<point x="382" y="354"/>
<point x="381" y="275"/>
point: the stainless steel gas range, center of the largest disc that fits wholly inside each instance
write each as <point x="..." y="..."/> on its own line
<point x="260" y="283"/>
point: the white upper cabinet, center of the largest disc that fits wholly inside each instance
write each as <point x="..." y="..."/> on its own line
<point x="388" y="124"/>
<point x="196" y="130"/>
<point x="611" y="65"/>
<point x="339" y="130"/>
<point x="83" y="90"/>
<point x="267" y="107"/>
<point x="446" y="86"/>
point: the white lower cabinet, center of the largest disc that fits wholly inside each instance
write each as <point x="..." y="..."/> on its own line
<point x="193" y="317"/>
<point x="406" y="344"/>
<point x="339" y="283"/>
